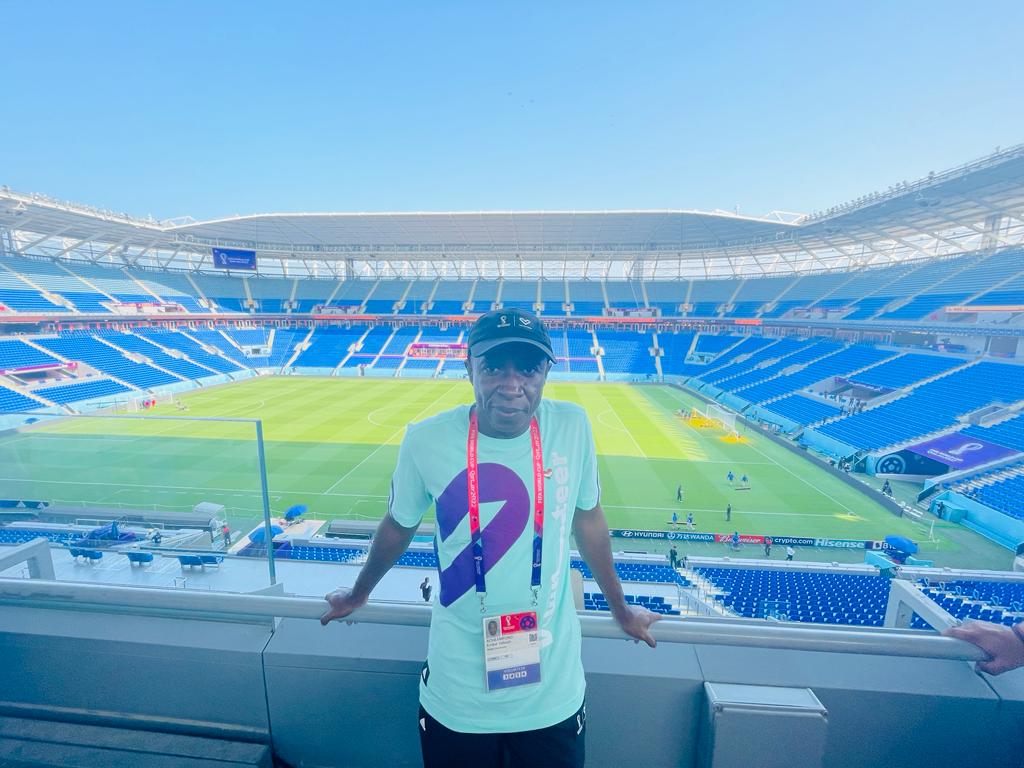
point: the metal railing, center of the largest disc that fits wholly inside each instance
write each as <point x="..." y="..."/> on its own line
<point x="700" y="631"/>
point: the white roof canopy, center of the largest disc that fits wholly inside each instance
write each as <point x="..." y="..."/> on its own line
<point x="978" y="205"/>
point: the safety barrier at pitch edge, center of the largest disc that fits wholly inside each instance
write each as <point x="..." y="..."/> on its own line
<point x="726" y="538"/>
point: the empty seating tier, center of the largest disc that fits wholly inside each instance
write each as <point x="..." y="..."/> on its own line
<point x="931" y="407"/>
<point x="86" y="390"/>
<point x="812" y="597"/>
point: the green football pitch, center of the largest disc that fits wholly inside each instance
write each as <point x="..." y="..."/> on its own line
<point x="331" y="443"/>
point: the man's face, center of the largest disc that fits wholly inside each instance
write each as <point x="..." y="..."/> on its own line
<point x="508" y="383"/>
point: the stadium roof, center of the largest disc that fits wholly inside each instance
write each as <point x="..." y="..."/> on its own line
<point x="977" y="205"/>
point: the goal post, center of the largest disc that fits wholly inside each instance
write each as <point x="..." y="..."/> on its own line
<point x="721" y="417"/>
<point x="142" y="403"/>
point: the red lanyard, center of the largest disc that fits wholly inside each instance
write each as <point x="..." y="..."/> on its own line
<point x="473" y="483"/>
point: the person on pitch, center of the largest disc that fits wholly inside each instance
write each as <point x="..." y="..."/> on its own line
<point x="511" y="478"/>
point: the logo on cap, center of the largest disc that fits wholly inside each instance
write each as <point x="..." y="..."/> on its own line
<point x="525" y="322"/>
<point x="503" y="321"/>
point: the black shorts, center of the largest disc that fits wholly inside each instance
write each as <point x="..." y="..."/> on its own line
<point x="557" y="746"/>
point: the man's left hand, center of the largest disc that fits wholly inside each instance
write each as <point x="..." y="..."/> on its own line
<point x="636" y="622"/>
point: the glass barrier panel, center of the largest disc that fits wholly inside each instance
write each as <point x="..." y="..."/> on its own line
<point x="165" y="500"/>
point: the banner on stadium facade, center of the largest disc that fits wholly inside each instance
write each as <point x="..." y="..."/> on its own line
<point x="907" y="462"/>
<point x="234" y="258"/>
<point x="960" y="451"/>
<point x="631" y="533"/>
<point x="792" y="541"/>
<point x="843" y="543"/>
<point x="437" y="351"/>
<point x="726" y="538"/>
<point x="972" y="308"/>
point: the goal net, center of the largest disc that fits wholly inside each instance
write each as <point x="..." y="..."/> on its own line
<point x="143" y="403"/>
<point x="720" y="417"/>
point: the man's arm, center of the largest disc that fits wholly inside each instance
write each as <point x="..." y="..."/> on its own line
<point x="390" y="541"/>
<point x="591" y="531"/>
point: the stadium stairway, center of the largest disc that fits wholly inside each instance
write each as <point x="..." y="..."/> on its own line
<point x="934" y="434"/>
<point x="825" y="368"/>
<point x="131" y="358"/>
<point x="1001" y="488"/>
<point x="705" y="591"/>
<point x="130" y="353"/>
<point x="806" y="352"/>
<point x="1000" y="602"/>
<point x="105" y="296"/>
<point x="1006" y="429"/>
<point x="743" y="360"/>
<point x="1013" y="277"/>
<point x="903" y="391"/>
<point x="353" y="350"/>
<point x="66" y="359"/>
<point x="170" y="352"/>
<point x="800" y="408"/>
<point x="742" y="352"/>
<point x="864" y="304"/>
<point x="19" y="399"/>
<point x="803" y="596"/>
<point x="204" y="354"/>
<point x="15" y="295"/>
<point x="930" y="408"/>
<point x="892" y="310"/>
<point x="772" y="306"/>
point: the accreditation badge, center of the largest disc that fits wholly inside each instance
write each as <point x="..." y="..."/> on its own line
<point x="511" y="650"/>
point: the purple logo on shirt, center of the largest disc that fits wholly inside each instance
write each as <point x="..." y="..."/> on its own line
<point x="497" y="483"/>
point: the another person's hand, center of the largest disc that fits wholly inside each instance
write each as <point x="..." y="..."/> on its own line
<point x="636" y="622"/>
<point x="342" y="602"/>
<point x="1001" y="643"/>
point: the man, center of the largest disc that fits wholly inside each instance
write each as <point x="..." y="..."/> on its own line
<point x="730" y="477"/>
<point x="503" y="550"/>
<point x="767" y="546"/>
<point x="426" y="589"/>
<point x="675" y="519"/>
<point x="728" y="512"/>
<point x="790" y="552"/>
<point x="673" y="557"/>
<point x="689" y="521"/>
<point x="679" y="493"/>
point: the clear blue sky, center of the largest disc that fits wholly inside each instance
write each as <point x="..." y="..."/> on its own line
<point x="211" y="109"/>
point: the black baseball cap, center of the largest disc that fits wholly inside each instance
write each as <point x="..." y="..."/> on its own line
<point x="504" y="326"/>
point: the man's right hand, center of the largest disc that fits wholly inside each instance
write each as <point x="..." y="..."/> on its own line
<point x="341" y="603"/>
<point x="1001" y="643"/>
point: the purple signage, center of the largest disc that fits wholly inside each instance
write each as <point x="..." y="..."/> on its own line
<point x="960" y="451"/>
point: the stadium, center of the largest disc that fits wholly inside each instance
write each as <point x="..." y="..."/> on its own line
<point x="511" y="385"/>
<point x="804" y="407"/>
